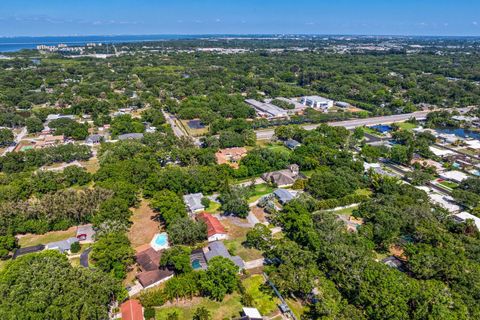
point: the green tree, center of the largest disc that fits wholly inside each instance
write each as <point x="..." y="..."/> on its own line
<point x="220" y="279"/>
<point x="185" y="231"/>
<point x="112" y="253"/>
<point x="202" y="313"/>
<point x="177" y="258"/>
<point x="169" y="206"/>
<point x="46" y="286"/>
<point x="259" y="237"/>
<point x="33" y="125"/>
<point x="6" y="137"/>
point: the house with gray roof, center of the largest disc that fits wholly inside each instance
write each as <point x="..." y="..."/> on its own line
<point x="284" y="195"/>
<point x="218" y="249"/>
<point x="292" y="144"/>
<point x="62" y="246"/>
<point x="283" y="178"/>
<point x="94" y="139"/>
<point x="193" y="202"/>
<point x="130" y="136"/>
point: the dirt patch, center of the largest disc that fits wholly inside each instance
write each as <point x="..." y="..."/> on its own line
<point x="143" y="228"/>
<point x="259" y="213"/>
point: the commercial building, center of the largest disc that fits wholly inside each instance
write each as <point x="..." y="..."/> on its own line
<point x="267" y="110"/>
<point x="317" y="102"/>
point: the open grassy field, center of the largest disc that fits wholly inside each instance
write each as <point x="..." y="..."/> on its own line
<point x="229" y="308"/>
<point x="143" y="227"/>
<point x="263" y="297"/>
<point x="91" y="165"/>
<point x="28" y="240"/>
<point x="237" y="235"/>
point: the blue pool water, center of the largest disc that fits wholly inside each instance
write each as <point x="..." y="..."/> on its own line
<point x="161" y="239"/>
<point x="196" y="264"/>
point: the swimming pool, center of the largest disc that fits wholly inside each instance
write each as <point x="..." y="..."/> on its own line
<point x="160" y="241"/>
<point x="196" y="264"/>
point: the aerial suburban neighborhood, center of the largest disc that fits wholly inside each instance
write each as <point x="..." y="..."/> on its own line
<point x="242" y="177"/>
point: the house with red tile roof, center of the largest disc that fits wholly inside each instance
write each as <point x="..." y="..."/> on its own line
<point x="131" y="310"/>
<point x="215" y="230"/>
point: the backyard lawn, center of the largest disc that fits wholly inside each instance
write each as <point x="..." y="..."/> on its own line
<point x="449" y="184"/>
<point x="143" y="227"/>
<point x="214" y="207"/>
<point x="260" y="191"/>
<point x="263" y="297"/>
<point x="229" y="308"/>
<point x="36" y="239"/>
<point x="406" y="125"/>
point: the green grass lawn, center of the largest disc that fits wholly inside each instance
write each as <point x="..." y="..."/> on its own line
<point x="363" y="192"/>
<point x="260" y="191"/>
<point x="214" y="207"/>
<point x="236" y="247"/>
<point x="279" y="148"/>
<point x="372" y="132"/>
<point x="406" y="125"/>
<point x="297" y="308"/>
<point x="229" y="308"/>
<point x="35" y="239"/>
<point x="449" y="184"/>
<point x="263" y="298"/>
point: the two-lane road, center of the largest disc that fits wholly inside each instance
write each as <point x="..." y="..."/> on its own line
<point x="352" y="124"/>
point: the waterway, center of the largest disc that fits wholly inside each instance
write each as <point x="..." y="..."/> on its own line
<point x="462" y="133"/>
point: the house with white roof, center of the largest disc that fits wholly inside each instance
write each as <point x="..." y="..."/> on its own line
<point x="454" y="175"/>
<point x="464" y="216"/>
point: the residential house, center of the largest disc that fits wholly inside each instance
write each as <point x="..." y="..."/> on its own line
<point x="215" y="230"/>
<point x="464" y="216"/>
<point x="284" y="195"/>
<point x="131" y="310"/>
<point x="394" y="262"/>
<point x="218" y="249"/>
<point x="230" y="156"/>
<point x="292" y="144"/>
<point x="130" y="136"/>
<point x="441" y="152"/>
<point x="197" y="260"/>
<point x="454" y="175"/>
<point x="94" y="139"/>
<point x="429" y="163"/>
<point x="151" y="274"/>
<point x="283" y="178"/>
<point x="251" y="314"/>
<point x="193" y="202"/>
<point x="62" y="246"/>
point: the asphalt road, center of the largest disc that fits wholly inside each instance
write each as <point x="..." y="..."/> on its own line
<point x="352" y="124"/>
<point x="171" y="121"/>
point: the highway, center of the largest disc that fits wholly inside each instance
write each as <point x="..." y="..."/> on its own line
<point x="352" y="124"/>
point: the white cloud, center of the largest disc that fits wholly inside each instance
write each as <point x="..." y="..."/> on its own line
<point x="475" y="23"/>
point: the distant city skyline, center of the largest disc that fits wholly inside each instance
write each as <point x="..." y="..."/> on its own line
<point x="142" y="17"/>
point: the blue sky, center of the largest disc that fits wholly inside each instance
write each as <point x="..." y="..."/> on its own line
<point x="125" y="17"/>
